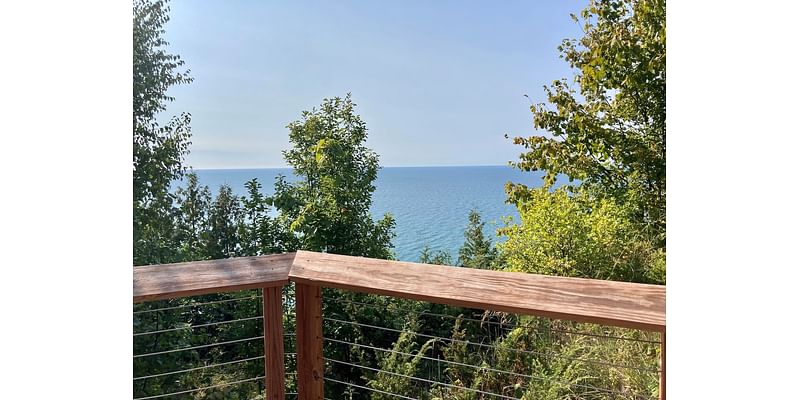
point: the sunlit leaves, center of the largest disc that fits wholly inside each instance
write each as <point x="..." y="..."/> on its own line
<point x="158" y="151"/>
<point x="580" y="235"/>
<point x="609" y="130"/>
<point x="328" y="209"/>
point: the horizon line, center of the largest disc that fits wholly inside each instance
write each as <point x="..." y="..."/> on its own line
<point x="381" y="166"/>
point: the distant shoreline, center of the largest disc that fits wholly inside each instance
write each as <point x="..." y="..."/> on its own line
<point x="382" y="167"/>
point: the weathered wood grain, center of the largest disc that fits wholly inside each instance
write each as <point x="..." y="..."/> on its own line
<point x="309" y="342"/>
<point x="662" y="383"/>
<point x="621" y="304"/>
<point x="274" y="371"/>
<point x="156" y="282"/>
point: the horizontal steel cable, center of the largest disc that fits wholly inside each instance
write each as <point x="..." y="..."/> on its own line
<point x="366" y="388"/>
<point x="551" y="355"/>
<point x="197" y="326"/>
<point x="199" y="389"/>
<point x="196" y="304"/>
<point x="197" y="347"/>
<point x="509" y="325"/>
<point x="541" y="378"/>
<point x="461" y="364"/>
<point x="199" y="368"/>
<point x="212" y="366"/>
<point x="423" y="379"/>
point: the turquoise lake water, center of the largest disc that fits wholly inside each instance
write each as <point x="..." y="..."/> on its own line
<point x="430" y="204"/>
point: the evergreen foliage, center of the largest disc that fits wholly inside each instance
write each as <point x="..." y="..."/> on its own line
<point x="478" y="250"/>
<point x="405" y="360"/>
<point x="226" y="218"/>
<point x="194" y="204"/>
<point x="437" y="257"/>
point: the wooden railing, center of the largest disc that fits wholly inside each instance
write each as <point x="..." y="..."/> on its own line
<point x="619" y="304"/>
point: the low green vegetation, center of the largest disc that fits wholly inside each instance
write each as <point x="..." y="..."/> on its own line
<point x="582" y="235"/>
<point x="606" y="133"/>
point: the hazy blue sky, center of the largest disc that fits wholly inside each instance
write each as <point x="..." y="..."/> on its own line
<point x="437" y="82"/>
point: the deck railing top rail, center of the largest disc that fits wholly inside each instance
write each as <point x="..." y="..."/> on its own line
<point x="157" y="282"/>
<point x="629" y="305"/>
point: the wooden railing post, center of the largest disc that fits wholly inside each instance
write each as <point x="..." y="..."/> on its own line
<point x="663" y="380"/>
<point x="274" y="372"/>
<point x="309" y="342"/>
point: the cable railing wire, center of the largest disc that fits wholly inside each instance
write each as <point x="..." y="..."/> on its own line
<point x="197" y="347"/>
<point x="196" y="304"/>
<point x="372" y="368"/>
<point x="530" y="352"/>
<point x="198" y="368"/>
<point x="369" y="389"/>
<point x="540" y="378"/>
<point x="214" y="367"/>
<point x="423" y="379"/>
<point x="501" y="324"/>
<point x="517" y="374"/>
<point x="198" y="326"/>
<point x="198" y="389"/>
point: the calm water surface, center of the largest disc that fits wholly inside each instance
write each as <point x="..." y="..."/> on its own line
<point x="429" y="204"/>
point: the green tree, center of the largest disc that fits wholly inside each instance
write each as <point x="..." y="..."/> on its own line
<point x="261" y="233"/>
<point x="192" y="230"/>
<point x="478" y="250"/>
<point x="226" y="219"/>
<point x="194" y="203"/>
<point x="255" y="230"/>
<point x="610" y="131"/>
<point x="437" y="257"/>
<point x="328" y="209"/>
<point x="403" y="361"/>
<point x="158" y="151"/>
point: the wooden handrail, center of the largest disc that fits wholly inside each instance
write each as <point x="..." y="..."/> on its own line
<point x="623" y="304"/>
<point x="157" y="282"/>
